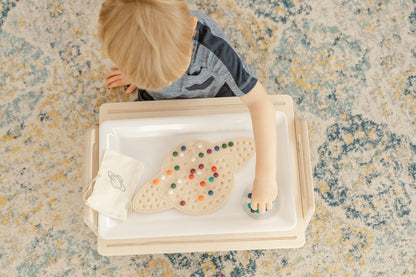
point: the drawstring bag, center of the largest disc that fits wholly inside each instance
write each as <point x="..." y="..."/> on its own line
<point x="115" y="184"/>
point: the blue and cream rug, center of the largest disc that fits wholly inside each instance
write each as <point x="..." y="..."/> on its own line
<point x="350" y="66"/>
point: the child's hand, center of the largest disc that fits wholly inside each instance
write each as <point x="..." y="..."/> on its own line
<point x="116" y="79"/>
<point x="264" y="193"/>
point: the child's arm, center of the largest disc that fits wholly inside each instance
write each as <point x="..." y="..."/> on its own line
<point x="264" y="128"/>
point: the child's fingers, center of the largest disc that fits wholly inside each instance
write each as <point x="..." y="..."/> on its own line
<point x="113" y="73"/>
<point x="114" y="67"/>
<point x="119" y="79"/>
<point x="254" y="205"/>
<point x="130" y="89"/>
<point x="262" y="208"/>
<point x="112" y="80"/>
<point x="116" y="84"/>
<point x="269" y="205"/>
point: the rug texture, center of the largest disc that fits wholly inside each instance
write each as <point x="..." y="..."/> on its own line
<point x="350" y="67"/>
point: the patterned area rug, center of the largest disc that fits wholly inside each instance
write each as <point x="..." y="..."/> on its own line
<point x="350" y="67"/>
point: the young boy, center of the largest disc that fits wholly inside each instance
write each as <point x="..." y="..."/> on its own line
<point x="168" y="52"/>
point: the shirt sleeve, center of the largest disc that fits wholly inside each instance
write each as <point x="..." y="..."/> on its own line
<point x="234" y="72"/>
<point x="224" y="62"/>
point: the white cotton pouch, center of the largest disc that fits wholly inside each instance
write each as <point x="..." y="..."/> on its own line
<point x="115" y="184"/>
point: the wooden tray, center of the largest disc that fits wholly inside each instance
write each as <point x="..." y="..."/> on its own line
<point x="302" y="179"/>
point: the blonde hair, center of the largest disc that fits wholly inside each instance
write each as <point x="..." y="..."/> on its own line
<point x="149" y="40"/>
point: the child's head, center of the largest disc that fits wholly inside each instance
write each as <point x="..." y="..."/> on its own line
<point x="149" y="40"/>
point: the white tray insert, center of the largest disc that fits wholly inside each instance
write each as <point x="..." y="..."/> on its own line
<point x="151" y="139"/>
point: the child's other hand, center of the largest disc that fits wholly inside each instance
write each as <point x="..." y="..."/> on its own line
<point x="264" y="193"/>
<point x="116" y="79"/>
